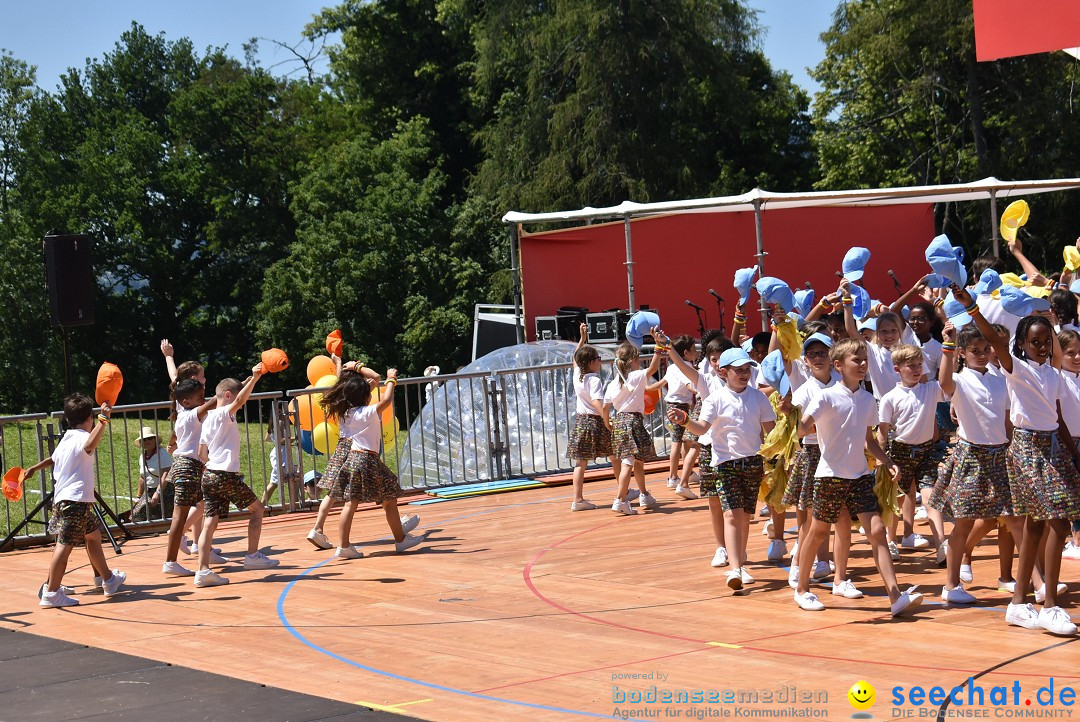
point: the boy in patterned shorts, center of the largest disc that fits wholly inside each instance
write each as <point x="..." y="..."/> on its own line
<point x="843" y="415"/>
<point x="74" y="521"/>
<point x="222" y="482"/>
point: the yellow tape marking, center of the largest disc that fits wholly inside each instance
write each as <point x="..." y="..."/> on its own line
<point x="391" y="707"/>
<point x="724" y="645"/>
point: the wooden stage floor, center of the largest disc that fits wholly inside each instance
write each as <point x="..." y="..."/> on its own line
<point x="518" y="609"/>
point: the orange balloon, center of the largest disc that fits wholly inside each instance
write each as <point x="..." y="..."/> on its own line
<point x="274" y="360"/>
<point x="109" y="383"/>
<point x="310" y="414"/>
<point x="652" y="398"/>
<point x="318" y="367"/>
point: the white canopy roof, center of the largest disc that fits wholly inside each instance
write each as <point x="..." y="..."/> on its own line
<point x="975" y="191"/>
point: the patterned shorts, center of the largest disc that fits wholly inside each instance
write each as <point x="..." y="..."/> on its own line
<point x="707" y="470"/>
<point x="71" y="521"/>
<point x="918" y="463"/>
<point x="677" y="431"/>
<point x="973" y="483"/>
<point x="186" y="476"/>
<point x="590" y="439"/>
<point x="331" y="478"/>
<point x="221" y="488"/>
<point x="630" y="438"/>
<point x="1042" y="477"/>
<point x="832" y="494"/>
<point x="800" y="487"/>
<point x="695" y="412"/>
<point x="736" y="483"/>
<point x="367" y="479"/>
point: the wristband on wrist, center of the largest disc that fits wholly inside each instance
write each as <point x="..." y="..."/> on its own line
<point x="847" y="300"/>
<point x="103" y="418"/>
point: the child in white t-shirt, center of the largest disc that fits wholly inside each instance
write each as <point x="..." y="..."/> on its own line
<point x="630" y="439"/>
<point x="590" y="438"/>
<point x="223" y="484"/>
<point x="734" y="418"/>
<point x="74" y="522"/>
<point x="682" y="395"/>
<point x="843" y="416"/>
<point x="909" y="411"/>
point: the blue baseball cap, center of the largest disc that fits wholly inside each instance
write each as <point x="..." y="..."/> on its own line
<point x="744" y="281"/>
<point x="735" y="357"/>
<point x="860" y="301"/>
<point x="312" y="476"/>
<point x="1075" y="286"/>
<point x="773" y="290"/>
<point x="799" y="320"/>
<point x="989" y="281"/>
<point x="639" y="325"/>
<point x="817" y="338"/>
<point x="936" y="280"/>
<point x="804" y="301"/>
<point x="855" y="262"/>
<point x="870" y="323"/>
<point x="772" y="370"/>
<point x="943" y="259"/>
<point x="1021" y="304"/>
<point x="747" y="345"/>
<point x="955" y="311"/>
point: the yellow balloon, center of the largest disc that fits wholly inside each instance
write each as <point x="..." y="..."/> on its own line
<point x="326" y="381"/>
<point x="323" y="435"/>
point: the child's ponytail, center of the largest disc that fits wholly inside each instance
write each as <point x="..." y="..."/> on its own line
<point x="624" y="356"/>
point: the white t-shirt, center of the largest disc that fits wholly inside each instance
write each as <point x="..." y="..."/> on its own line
<point x="980" y="403"/>
<point x="188" y="430"/>
<point x="585" y="390"/>
<point x="73" y="468"/>
<point x="1070" y="402"/>
<point x="911" y="411"/>
<point x="735" y="421"/>
<point x="221" y="436"/>
<point x="362" y="425"/>
<point x="992" y="310"/>
<point x="801" y="397"/>
<point x="679" y="388"/>
<point x="882" y="371"/>
<point x="150" y="470"/>
<point x="1034" y="390"/>
<point x="630" y="398"/>
<point x="842" y="417"/>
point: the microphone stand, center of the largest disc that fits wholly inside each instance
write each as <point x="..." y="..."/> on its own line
<point x="719" y="308"/>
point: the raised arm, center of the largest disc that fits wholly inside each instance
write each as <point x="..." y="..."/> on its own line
<point x="849" y="312"/>
<point x="898" y="305"/>
<point x="1016" y="248"/>
<point x="203" y="410"/>
<point x="948" y="360"/>
<point x="98" y="431"/>
<point x="999" y="342"/>
<point x="583" y="336"/>
<point x="170" y="362"/>
<point x="387" y="397"/>
<point x="245" y="392"/>
<point x="823" y="307"/>
<point x="687" y="369"/>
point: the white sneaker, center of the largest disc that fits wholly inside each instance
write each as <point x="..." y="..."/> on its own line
<point x="411" y="521"/>
<point x="764" y="511"/>
<point x="684" y="492"/>
<point x="1040" y="593"/>
<point x="777" y="550"/>
<point x="258" y="560"/>
<point x="821" y="570"/>
<point x="407" y="543"/>
<point x="583" y="505"/>
<point x="216" y="558"/>
<point x="734" y="579"/>
<point x="209" y="578"/>
<point x="195" y="549"/>
<point x="746" y="578"/>
<point x="633" y="493"/>
<point x="1056" y="621"/>
<point x="672" y="482"/>
<point x="920" y="513"/>
<point x="793" y="577"/>
<point x="795" y="552"/>
<point x="914" y="541"/>
<point x="720" y="557"/>
<point x="111" y="586"/>
<point x="809" y="602"/>
<point x="349" y="552"/>
<point x="623" y="507"/>
<point x="1003" y="586"/>
<point x="45" y="587"/>
<point x="97" y="586"/>
<point x="648" y="501"/>
<point x="319" y="540"/>
<point x="57" y="599"/>
<point x="894" y="552"/>
<point x="965" y="574"/>
<point x="1071" y="551"/>
<point x="909" y="601"/>
<point x="943" y="553"/>
<point x="766" y="527"/>
<point x="174" y="569"/>
<point x="957" y="595"/>
<point x="185" y="546"/>
<point x="1022" y="615"/>
<point x="847" y="590"/>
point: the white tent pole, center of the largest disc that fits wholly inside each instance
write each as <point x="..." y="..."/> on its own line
<point x="629" y="264"/>
<point x="760" y="260"/>
<point x="519" y="323"/>
<point x="995" y="234"/>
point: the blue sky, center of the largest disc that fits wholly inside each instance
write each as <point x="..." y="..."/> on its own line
<point x="57" y="34"/>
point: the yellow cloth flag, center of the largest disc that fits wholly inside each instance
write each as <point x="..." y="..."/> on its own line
<point x="787" y="334"/>
<point x="886" y="490"/>
<point x="779" y="449"/>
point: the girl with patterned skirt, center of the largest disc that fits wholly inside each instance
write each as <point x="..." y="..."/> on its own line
<point x="631" y="440"/>
<point x="1041" y="460"/>
<point x="590" y="438"/>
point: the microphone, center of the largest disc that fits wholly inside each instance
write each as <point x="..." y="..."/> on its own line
<point x="715" y="295"/>
<point x="893" y="277"/>
<point x="694" y="305"/>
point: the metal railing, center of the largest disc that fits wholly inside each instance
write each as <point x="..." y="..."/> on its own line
<point x="445" y="430"/>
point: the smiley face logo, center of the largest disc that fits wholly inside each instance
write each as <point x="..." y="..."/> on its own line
<point x="862" y="695"/>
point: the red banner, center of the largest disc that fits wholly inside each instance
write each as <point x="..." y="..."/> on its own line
<point x="1004" y="28"/>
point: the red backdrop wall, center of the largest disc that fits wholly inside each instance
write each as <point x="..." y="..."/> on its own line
<point x="681" y="256"/>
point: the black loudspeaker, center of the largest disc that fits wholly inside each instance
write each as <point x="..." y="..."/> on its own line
<point x="70" y="280"/>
